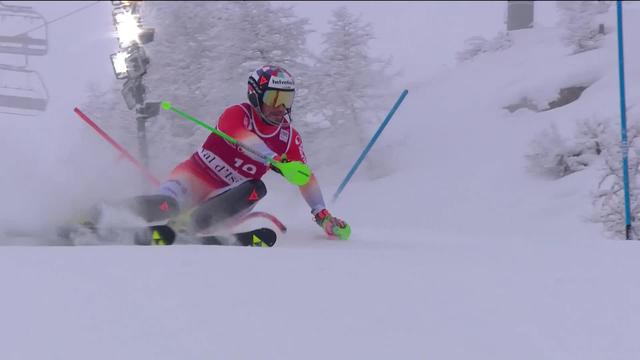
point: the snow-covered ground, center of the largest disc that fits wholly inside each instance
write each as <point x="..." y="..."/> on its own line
<point x="461" y="254"/>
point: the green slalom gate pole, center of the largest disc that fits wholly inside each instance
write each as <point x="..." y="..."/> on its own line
<point x="295" y="172"/>
<point x="370" y="145"/>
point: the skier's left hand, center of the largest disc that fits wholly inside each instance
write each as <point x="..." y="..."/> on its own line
<point x="333" y="226"/>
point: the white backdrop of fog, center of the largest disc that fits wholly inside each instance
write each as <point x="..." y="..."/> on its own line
<point x="422" y="37"/>
<point x="55" y="158"/>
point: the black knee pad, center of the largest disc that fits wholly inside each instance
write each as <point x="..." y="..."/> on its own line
<point x="154" y="207"/>
<point x="254" y="190"/>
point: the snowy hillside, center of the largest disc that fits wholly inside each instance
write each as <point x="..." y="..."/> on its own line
<point x="462" y="253"/>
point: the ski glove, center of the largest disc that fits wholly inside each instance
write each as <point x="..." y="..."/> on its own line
<point x="282" y="158"/>
<point x="334" y="227"/>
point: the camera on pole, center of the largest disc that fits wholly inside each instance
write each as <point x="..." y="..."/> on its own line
<point x="131" y="63"/>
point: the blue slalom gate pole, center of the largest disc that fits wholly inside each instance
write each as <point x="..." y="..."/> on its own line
<point x="623" y="126"/>
<point x="370" y="145"/>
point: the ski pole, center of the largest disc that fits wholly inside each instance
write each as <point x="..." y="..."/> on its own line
<point x="370" y="145"/>
<point x="123" y="152"/>
<point x="295" y="172"/>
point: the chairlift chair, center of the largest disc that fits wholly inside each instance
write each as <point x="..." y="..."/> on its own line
<point x="23" y="31"/>
<point x="22" y="91"/>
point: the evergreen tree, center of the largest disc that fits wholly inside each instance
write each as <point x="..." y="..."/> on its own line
<point x="351" y="93"/>
<point x="257" y="34"/>
<point x="608" y="199"/>
<point x="581" y="20"/>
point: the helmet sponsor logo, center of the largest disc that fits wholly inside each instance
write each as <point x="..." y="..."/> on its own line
<point x="279" y="83"/>
<point x="262" y="81"/>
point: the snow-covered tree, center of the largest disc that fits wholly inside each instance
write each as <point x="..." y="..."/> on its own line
<point x="477" y="45"/>
<point x="351" y="92"/>
<point x="608" y="199"/>
<point x="595" y="142"/>
<point x="549" y="155"/>
<point x="555" y="156"/>
<point x="257" y="34"/>
<point x="580" y="21"/>
<point x="474" y="46"/>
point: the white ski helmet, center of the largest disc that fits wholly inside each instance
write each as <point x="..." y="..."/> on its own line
<point x="271" y="85"/>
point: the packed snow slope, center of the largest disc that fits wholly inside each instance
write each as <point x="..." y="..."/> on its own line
<point x="461" y="254"/>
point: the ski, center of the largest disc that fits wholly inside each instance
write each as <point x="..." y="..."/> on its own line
<point x="165" y="235"/>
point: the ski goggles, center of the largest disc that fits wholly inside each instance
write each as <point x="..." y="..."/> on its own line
<point x="277" y="98"/>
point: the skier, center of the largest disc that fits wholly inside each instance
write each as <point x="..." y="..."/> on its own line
<point x="221" y="182"/>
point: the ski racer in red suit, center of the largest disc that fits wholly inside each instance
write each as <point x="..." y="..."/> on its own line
<point x="222" y="181"/>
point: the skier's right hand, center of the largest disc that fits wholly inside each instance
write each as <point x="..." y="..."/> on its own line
<point x="334" y="227"/>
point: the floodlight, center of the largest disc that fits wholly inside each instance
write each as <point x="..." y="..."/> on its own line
<point x="134" y="5"/>
<point x="119" y="63"/>
<point x="146" y="35"/>
<point x="127" y="26"/>
<point x="136" y="61"/>
<point x="133" y="92"/>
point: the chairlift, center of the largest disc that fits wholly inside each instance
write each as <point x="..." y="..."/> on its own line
<point x="22" y="91"/>
<point x="23" y="31"/>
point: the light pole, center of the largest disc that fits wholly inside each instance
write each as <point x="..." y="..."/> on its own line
<point x="131" y="63"/>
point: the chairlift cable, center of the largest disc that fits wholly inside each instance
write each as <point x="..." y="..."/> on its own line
<point x="59" y="18"/>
